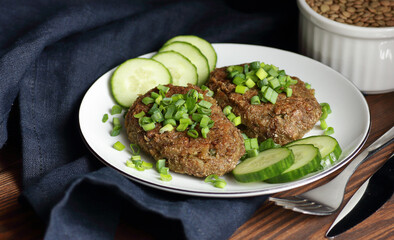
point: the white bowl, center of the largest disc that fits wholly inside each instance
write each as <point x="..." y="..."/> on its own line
<point x="364" y="55"/>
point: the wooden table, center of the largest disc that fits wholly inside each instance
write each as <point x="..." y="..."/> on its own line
<point x="18" y="221"/>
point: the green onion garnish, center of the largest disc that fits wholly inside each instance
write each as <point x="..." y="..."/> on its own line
<point x="105" y="118"/>
<point x="241" y="89"/>
<point x="135" y="149"/>
<point x="116" y="131"/>
<point x="148" y="126"/>
<point x="119" y="146"/>
<point x="255" y="100"/>
<point x="116" y="109"/>
<point x="165" y="177"/>
<point x="167" y="128"/>
<point x="216" y="181"/>
<point x="329" y="131"/>
<point x="237" y="120"/>
<point x="139" y="115"/>
<point x="192" y="133"/>
<point x="160" y="164"/>
<point x="147" y="100"/>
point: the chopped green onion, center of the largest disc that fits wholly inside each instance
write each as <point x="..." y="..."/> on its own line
<point x="164" y="170"/>
<point x="158" y="99"/>
<point x="105" y="118"/>
<point x="167" y="101"/>
<point x="116" y="109"/>
<point x="268" y="144"/>
<point x="247" y="144"/>
<point x="136" y="158"/>
<point x="323" y="124"/>
<point x="205" y="104"/>
<point x="154" y="107"/>
<point x="244" y="136"/>
<point x="261" y="73"/>
<point x="237" y="121"/>
<point x="148" y="126"/>
<point x="182" y="127"/>
<point x="167" y="128"/>
<point x="241" y="89"/>
<point x="231" y="117"/>
<point x="197" y="117"/>
<point x="329" y="131"/>
<point x="130" y="164"/>
<point x="204" y="121"/>
<point x="118" y="146"/>
<point x="116" y="131"/>
<point x="204" y="111"/>
<point x="289" y="92"/>
<point x="204" y="132"/>
<point x="307" y="86"/>
<point x="211" y="178"/>
<point x="165" y="177"/>
<point x="179" y="103"/>
<point x="252" y="153"/>
<point x="157" y="116"/>
<point x="170" y="112"/>
<point x="160" y="164"/>
<point x="116" y="121"/>
<point x="147" y="100"/>
<point x="146" y="165"/>
<point x="227" y="110"/>
<point x="135" y="149"/>
<point x="144" y="120"/>
<point x="162" y="88"/>
<point x="250" y="83"/>
<point x="170" y="121"/>
<point x="192" y="133"/>
<point x="139" y="115"/>
<point x="255" y="65"/>
<point x="154" y="95"/>
<point x="254" y="144"/>
<point x="187" y="121"/>
<point x="255" y="100"/>
<point x="216" y="181"/>
<point x="274" y="83"/>
<point x="238" y="80"/>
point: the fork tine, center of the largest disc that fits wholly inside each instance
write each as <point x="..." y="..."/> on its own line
<point x="292" y="199"/>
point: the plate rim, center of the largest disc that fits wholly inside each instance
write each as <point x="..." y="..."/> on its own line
<point x="238" y="193"/>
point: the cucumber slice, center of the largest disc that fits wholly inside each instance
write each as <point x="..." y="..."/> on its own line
<point x="204" y="46"/>
<point x="327" y="145"/>
<point x="306" y="160"/>
<point x="267" y="164"/>
<point x="194" y="55"/>
<point x="182" y="70"/>
<point x="137" y="76"/>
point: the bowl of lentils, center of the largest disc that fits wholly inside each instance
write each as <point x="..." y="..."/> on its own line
<point x="354" y="37"/>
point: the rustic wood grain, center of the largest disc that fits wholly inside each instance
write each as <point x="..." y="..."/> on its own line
<point x="18" y="221"/>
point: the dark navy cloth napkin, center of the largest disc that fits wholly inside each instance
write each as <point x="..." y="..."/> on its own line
<point x="51" y="52"/>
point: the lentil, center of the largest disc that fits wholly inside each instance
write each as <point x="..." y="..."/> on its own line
<point x="367" y="13"/>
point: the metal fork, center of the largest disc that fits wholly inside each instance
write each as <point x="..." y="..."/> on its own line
<point x="326" y="199"/>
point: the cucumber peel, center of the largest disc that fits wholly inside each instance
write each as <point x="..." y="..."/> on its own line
<point x="202" y="44"/>
<point x="267" y="164"/>
<point x="306" y="160"/>
<point x="194" y="55"/>
<point x="328" y="146"/>
<point x="182" y="69"/>
<point x="136" y="76"/>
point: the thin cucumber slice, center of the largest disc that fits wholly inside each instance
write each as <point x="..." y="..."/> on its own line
<point x="194" y="55"/>
<point x="306" y="160"/>
<point x="202" y="44"/>
<point x="137" y="76"/>
<point x="182" y="70"/>
<point x="267" y="164"/>
<point x="327" y="145"/>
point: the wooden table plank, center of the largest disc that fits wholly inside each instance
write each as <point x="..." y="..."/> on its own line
<point x="18" y="221"/>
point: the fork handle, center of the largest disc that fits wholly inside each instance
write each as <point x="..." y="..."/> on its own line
<point x="380" y="143"/>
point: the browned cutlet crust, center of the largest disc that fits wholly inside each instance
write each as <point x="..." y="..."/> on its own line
<point x="217" y="154"/>
<point x="287" y="120"/>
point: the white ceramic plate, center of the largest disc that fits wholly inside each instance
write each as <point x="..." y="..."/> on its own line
<point x="350" y="119"/>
